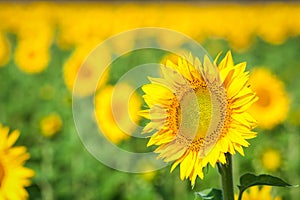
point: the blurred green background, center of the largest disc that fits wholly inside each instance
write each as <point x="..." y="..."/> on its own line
<point x="43" y="44"/>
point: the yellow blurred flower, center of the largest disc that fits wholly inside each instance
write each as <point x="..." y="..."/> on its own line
<point x="35" y="35"/>
<point x="73" y="64"/>
<point x="50" y="125"/>
<point x="31" y="56"/>
<point x="12" y="24"/>
<point x="107" y="116"/>
<point x="14" y="177"/>
<point x="4" y="49"/>
<point x="87" y="79"/>
<point x="273" y="104"/>
<point x="271" y="159"/>
<point x="256" y="193"/>
<point x="221" y="95"/>
<point x="96" y="22"/>
<point x="266" y="29"/>
<point x="38" y="31"/>
<point x="93" y="26"/>
<point x="148" y="176"/>
<point x="123" y="44"/>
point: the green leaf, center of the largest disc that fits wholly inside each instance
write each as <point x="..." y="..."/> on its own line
<point x="210" y="194"/>
<point x="249" y="180"/>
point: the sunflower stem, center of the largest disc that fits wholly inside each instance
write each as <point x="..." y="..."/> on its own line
<point x="225" y="171"/>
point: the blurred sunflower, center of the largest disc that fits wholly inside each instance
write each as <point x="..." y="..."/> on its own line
<point x="273" y="104"/>
<point x="13" y="175"/>
<point x="32" y="56"/>
<point x="4" y="50"/>
<point x="271" y="159"/>
<point x="125" y="116"/>
<point x="152" y="172"/>
<point x="256" y="193"/>
<point x="219" y="97"/>
<point x="50" y="125"/>
<point x="88" y="77"/>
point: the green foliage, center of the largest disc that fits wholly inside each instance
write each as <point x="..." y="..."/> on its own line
<point x="210" y="194"/>
<point x="65" y="170"/>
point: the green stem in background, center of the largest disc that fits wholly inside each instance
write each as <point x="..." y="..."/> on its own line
<point x="225" y="171"/>
<point x="47" y="170"/>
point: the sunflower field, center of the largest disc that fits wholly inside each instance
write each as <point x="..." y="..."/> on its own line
<point x="44" y="152"/>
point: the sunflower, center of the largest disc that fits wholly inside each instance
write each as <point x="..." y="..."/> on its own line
<point x="87" y="79"/>
<point x="198" y="113"/>
<point x="271" y="159"/>
<point x="151" y="172"/>
<point x="32" y="56"/>
<point x="50" y="125"/>
<point x="256" y="193"/>
<point x="106" y="119"/>
<point x="273" y="104"/>
<point x="13" y="175"/>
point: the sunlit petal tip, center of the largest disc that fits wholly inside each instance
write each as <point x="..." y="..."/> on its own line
<point x="12" y="138"/>
<point x="144" y="113"/>
<point x="217" y="58"/>
<point x="150" y="143"/>
<point x="170" y="64"/>
<point x="173" y="167"/>
<point x="229" y="59"/>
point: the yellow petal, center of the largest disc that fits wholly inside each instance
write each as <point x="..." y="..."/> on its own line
<point x="236" y="85"/>
<point x="144" y="113"/>
<point x="178" y="161"/>
<point x="157" y="90"/>
<point x="217" y="58"/>
<point x="239" y="148"/>
<point x="191" y="163"/>
<point x="224" y="144"/>
<point x="243" y="100"/>
<point x="12" y="138"/>
<point x="176" y="155"/>
<point x="239" y="69"/>
<point x="222" y="158"/>
<point x="227" y="61"/>
<point x="210" y="71"/>
<point x="228" y="76"/>
<point x="237" y="138"/>
<point x="184" y="165"/>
